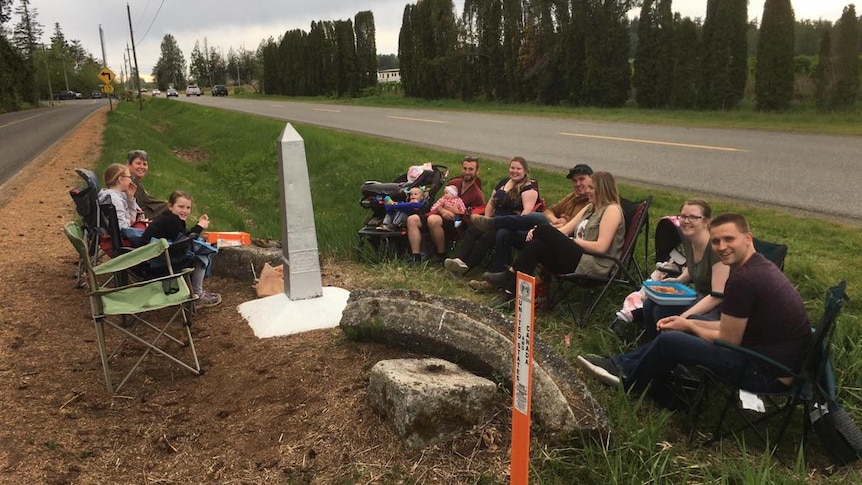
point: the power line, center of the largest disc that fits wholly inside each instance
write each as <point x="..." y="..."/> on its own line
<point x="143" y="13"/>
<point x="151" y="24"/>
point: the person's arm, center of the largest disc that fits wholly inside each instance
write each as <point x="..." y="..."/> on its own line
<point x="720" y="272"/>
<point x="730" y="329"/>
<point x="489" y="208"/>
<point x="607" y="230"/>
<point x="529" y="199"/>
<point x="569" y="228"/>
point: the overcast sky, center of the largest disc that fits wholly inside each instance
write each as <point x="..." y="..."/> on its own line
<point x="225" y="24"/>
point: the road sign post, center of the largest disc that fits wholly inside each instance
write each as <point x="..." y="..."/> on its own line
<point x="107" y="76"/>
<point x="522" y="378"/>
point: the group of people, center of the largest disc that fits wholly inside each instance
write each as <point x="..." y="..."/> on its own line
<point x="142" y="217"/>
<point x="742" y="297"/>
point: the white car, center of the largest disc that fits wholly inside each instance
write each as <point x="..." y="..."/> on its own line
<point x="156" y="92"/>
<point x="193" y="90"/>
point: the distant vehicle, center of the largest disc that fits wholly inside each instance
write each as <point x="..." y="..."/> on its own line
<point x="65" y="95"/>
<point x="219" y="90"/>
<point x="143" y="90"/>
<point x="172" y="92"/>
<point x="193" y="90"/>
<point x="96" y="95"/>
<point x="79" y="96"/>
<point x="156" y="92"/>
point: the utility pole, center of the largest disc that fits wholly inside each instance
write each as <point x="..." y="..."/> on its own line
<point x="48" y="73"/>
<point x="128" y="60"/>
<point x="135" y="57"/>
<point x="105" y="64"/>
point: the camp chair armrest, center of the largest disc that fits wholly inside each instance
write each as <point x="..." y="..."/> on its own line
<point x="132" y="258"/>
<point x="108" y="290"/>
<point x="756" y="356"/>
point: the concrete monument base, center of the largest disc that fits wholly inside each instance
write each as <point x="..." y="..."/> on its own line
<point x="278" y="315"/>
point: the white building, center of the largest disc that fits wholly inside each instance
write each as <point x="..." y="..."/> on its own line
<point x="389" y="76"/>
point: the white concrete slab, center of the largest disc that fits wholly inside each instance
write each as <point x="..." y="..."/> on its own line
<point x="278" y="315"/>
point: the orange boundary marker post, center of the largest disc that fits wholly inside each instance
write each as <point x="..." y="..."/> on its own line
<point x="522" y="378"/>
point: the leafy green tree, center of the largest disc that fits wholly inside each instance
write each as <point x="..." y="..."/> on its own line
<point x="513" y="32"/>
<point x="387" y="61"/>
<point x="483" y="28"/>
<point x="170" y="68"/>
<point x="823" y="75"/>
<point x="775" y="73"/>
<point x="366" y="49"/>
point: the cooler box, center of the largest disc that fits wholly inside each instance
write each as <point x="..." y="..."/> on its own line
<point x="669" y="293"/>
<point x="226" y="239"/>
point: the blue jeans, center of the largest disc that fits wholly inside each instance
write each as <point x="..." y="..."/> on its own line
<point x="653" y="312"/>
<point x="651" y="364"/>
<point x="518" y="222"/>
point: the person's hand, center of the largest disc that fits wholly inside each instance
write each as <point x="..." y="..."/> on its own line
<point x="530" y="235"/>
<point x="446" y="214"/>
<point x="672" y="323"/>
<point x="131" y="189"/>
<point x="204" y="221"/>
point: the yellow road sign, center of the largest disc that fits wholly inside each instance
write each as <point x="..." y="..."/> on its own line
<point x="107" y="76"/>
<point x="108" y="88"/>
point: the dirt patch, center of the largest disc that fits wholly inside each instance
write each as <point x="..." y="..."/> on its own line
<point x="280" y="410"/>
<point x="193" y="155"/>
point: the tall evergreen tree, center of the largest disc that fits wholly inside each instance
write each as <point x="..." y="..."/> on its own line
<point x="846" y="60"/>
<point x="170" y="68"/>
<point x="513" y="31"/>
<point x="724" y="61"/>
<point x="685" y="66"/>
<point x="607" y="78"/>
<point x="198" y="65"/>
<point x="366" y="49"/>
<point x="28" y="30"/>
<point x="348" y="74"/>
<point x="775" y="73"/>
<point x="823" y="73"/>
<point x="406" y="52"/>
<point x="654" y="61"/>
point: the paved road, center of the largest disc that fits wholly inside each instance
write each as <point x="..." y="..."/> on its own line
<point x="26" y="134"/>
<point x="817" y="173"/>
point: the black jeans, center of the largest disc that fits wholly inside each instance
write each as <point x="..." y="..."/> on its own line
<point x="475" y="246"/>
<point x="553" y="249"/>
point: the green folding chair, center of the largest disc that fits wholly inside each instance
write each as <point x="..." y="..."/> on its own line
<point x="130" y="311"/>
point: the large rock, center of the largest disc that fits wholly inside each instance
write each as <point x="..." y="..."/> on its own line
<point x="479" y="339"/>
<point x="429" y="400"/>
<point x="236" y="261"/>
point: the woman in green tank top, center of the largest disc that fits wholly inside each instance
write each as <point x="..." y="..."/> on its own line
<point x="703" y="270"/>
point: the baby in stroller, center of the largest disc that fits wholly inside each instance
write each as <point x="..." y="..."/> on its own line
<point x="397" y="212"/>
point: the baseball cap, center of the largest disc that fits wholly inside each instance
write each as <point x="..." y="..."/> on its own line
<point x="579" y="169"/>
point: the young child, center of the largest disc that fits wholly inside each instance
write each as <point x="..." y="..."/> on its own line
<point x="171" y="224"/>
<point x="397" y="212"/>
<point x="120" y="191"/>
<point x="451" y="201"/>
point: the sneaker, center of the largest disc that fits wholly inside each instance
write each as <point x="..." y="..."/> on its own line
<point x="482" y="223"/>
<point x="207" y="299"/>
<point x="455" y="266"/>
<point x="602" y="368"/>
<point x="481" y="285"/>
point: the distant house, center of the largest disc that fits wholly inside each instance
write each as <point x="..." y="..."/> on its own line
<point x="389" y="76"/>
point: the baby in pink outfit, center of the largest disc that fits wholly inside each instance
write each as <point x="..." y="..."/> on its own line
<point x="450" y="197"/>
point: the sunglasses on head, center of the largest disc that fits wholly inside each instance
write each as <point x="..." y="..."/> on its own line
<point x="471" y="159"/>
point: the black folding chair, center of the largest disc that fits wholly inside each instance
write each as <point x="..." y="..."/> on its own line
<point x="815" y="371"/>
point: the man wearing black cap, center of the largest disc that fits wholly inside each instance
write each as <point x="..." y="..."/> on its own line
<point x="563" y="211"/>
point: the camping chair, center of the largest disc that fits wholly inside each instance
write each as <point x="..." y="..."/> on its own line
<point x="772" y="251"/>
<point x="626" y="270"/>
<point x="131" y="309"/>
<point x="816" y="372"/>
<point x="87" y="207"/>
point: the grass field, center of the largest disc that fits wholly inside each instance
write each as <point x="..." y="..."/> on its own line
<point x="228" y="162"/>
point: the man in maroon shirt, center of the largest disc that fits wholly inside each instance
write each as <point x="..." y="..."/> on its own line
<point x="439" y="225"/>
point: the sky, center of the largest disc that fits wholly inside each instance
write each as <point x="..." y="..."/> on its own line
<point x="225" y="24"/>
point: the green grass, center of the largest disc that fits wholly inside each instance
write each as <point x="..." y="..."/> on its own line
<point x="800" y="118"/>
<point x="228" y="162"/>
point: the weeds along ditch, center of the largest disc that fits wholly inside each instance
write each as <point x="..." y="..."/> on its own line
<point x="229" y="163"/>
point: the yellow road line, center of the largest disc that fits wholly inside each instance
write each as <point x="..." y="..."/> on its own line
<point x="19" y="121"/>
<point x="654" y="142"/>
<point x="327" y="110"/>
<point x="416" y="119"/>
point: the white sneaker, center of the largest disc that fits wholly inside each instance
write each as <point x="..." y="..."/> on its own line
<point x="455" y="266"/>
<point x="602" y="368"/>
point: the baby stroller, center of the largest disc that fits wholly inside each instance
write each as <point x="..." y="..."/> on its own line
<point x="376" y="196"/>
<point x="668" y="246"/>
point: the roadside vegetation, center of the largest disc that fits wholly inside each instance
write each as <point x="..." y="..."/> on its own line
<point x="228" y="162"/>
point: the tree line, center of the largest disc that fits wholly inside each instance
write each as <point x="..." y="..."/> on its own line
<point x="586" y="53"/>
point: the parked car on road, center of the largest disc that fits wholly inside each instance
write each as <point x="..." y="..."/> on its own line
<point x="65" y="95"/>
<point x="79" y="95"/>
<point x="219" y="90"/>
<point x="172" y="92"/>
<point x="96" y="95"/>
<point x="193" y="90"/>
<point x="156" y="92"/>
